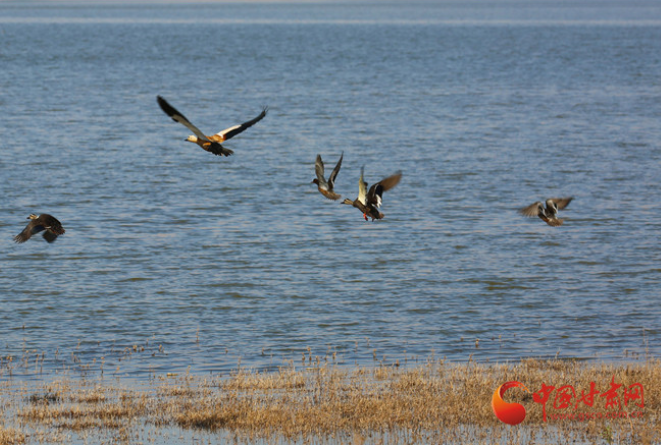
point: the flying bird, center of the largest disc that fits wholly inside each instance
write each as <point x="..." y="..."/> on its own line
<point x="369" y="202"/>
<point x="48" y="224"/>
<point x="549" y="214"/>
<point x="326" y="187"/>
<point x="208" y="143"/>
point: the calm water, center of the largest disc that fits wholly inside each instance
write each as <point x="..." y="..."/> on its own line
<point x="485" y="107"/>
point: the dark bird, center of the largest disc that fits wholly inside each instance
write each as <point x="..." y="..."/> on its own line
<point x="42" y="223"/>
<point x="549" y="214"/>
<point x="369" y="202"/>
<point x="326" y="187"/>
<point x="209" y="143"/>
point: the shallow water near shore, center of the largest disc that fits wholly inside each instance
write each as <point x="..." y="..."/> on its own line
<point x="196" y="262"/>
<point x="319" y="402"/>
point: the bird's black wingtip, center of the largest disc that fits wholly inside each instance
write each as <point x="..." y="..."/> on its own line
<point x="167" y="108"/>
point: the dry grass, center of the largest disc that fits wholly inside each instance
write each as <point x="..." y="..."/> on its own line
<point x="9" y="436"/>
<point x="437" y="402"/>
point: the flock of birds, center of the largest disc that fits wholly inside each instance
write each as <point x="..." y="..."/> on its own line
<point x="368" y="201"/>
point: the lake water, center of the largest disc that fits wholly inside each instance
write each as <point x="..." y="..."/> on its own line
<point x="204" y="261"/>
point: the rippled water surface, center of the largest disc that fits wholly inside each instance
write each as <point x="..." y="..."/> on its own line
<point x="205" y="261"/>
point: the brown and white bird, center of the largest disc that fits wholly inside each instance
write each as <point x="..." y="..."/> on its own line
<point x="549" y="214"/>
<point x="208" y="143"/>
<point x="42" y="223"/>
<point x="369" y="202"/>
<point x="326" y="187"/>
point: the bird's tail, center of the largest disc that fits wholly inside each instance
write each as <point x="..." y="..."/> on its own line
<point x="376" y="215"/>
<point x="219" y="150"/>
<point x="224" y="151"/>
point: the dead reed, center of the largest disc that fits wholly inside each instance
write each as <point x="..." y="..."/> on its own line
<point x="9" y="436"/>
<point x="436" y="402"/>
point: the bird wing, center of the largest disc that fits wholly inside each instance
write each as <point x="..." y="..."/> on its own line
<point x="562" y="202"/>
<point x="32" y="228"/>
<point x="233" y="131"/>
<point x="23" y="236"/>
<point x="376" y="191"/>
<point x="362" y="187"/>
<point x="390" y="181"/>
<point x="49" y="236"/>
<point x="336" y="170"/>
<point x="178" y="117"/>
<point x="374" y="195"/>
<point x="532" y="209"/>
<point x="319" y="170"/>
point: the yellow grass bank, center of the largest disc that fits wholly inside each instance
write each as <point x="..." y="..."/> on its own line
<point x="437" y="402"/>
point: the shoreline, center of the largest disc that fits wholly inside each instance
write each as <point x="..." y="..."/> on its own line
<point x="316" y="401"/>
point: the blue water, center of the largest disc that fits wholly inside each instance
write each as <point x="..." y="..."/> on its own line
<point x="485" y="107"/>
